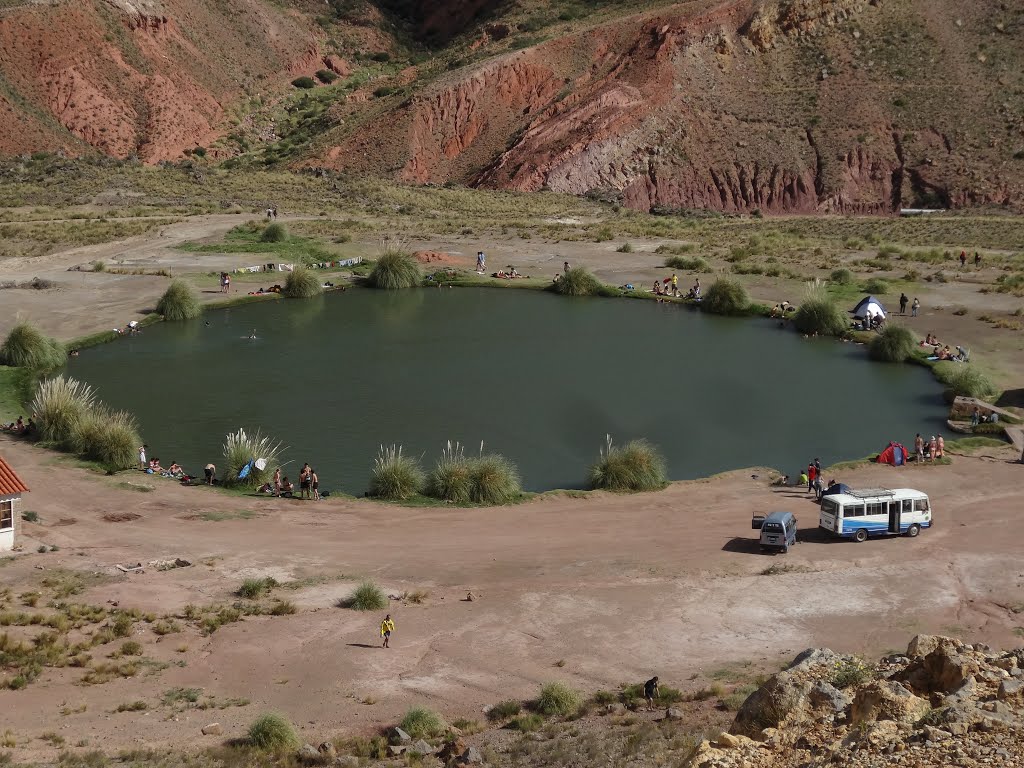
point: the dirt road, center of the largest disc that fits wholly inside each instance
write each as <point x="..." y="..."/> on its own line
<point x="595" y="591"/>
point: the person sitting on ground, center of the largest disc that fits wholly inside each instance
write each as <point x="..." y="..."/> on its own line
<point x="175" y="470"/>
<point x="804" y="480"/>
<point x="30" y="428"/>
<point x="992" y="418"/>
<point x="286" y="486"/>
<point x="657" y="287"/>
<point x="265" y="488"/>
<point x="944" y="353"/>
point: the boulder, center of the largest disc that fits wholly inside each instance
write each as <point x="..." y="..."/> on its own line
<point x="308" y="755"/>
<point x="965" y="693"/>
<point x="673" y="714"/>
<point x="421" y="747"/>
<point x="886" y="700"/>
<point x="1011" y="690"/>
<point x="471" y="756"/>
<point x="948" y="670"/>
<point x="396" y="750"/>
<point x="921" y="645"/>
<point x="826" y="696"/>
<point x="399" y="736"/>
<point x="451" y="750"/>
<point x="213" y="729"/>
<point x="327" y="749"/>
<point x="727" y="741"/>
<point x="346" y="761"/>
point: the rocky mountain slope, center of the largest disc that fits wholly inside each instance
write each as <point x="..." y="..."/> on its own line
<point x="860" y="106"/>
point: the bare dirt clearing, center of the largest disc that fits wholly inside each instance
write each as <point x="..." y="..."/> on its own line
<point x="616" y="587"/>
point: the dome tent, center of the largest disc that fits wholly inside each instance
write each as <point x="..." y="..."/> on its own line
<point x="869" y="305"/>
<point x="895" y="454"/>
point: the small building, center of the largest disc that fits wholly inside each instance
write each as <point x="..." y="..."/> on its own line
<point x="11" y="488"/>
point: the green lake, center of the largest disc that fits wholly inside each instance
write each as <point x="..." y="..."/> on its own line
<point x="537" y="377"/>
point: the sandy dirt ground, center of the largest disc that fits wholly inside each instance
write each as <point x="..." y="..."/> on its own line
<point x="617" y="588"/>
<point x="113" y="299"/>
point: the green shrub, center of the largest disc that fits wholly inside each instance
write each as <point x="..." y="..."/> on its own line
<point x="395" y="476"/>
<point x="841" y="276"/>
<point x="851" y="673"/>
<point x="624" y="248"/>
<point x="240" y="448"/>
<point x="688" y="263"/>
<point x="894" y="344"/>
<point x="27" y="347"/>
<point x="253" y="588"/>
<point x="726" y="297"/>
<point x="179" y="302"/>
<point x="395" y="269"/>
<point x="422" y="723"/>
<point x="877" y="286"/>
<point x="558" y="699"/>
<point x="604" y="234"/>
<point x="965" y="380"/>
<point x="326" y="76"/>
<point x="304" y="82"/>
<point x="493" y="480"/>
<point x="636" y="466"/>
<point x="526" y="723"/>
<point x="273" y="732"/>
<point x="131" y="648"/>
<point x="110" y="438"/>
<point x="577" y="281"/>
<point x="60" y="405"/>
<point x="302" y="283"/>
<point x="504" y="710"/>
<point x="819" y="314"/>
<point x="384" y="90"/>
<point x="366" y="597"/>
<point x="451" y="479"/>
<point x="274" y="233"/>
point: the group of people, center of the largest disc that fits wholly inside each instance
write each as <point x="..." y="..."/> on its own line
<point x="977" y="417"/>
<point x="904" y="300"/>
<point x="669" y="286"/>
<point x="930" y="450"/>
<point x="963" y="259"/>
<point x="281" y="486"/>
<point x="225" y="282"/>
<point x="811" y="477"/>
<point x="940" y="352"/>
<point x="20" y="427"/>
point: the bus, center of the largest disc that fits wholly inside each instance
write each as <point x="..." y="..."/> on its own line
<point x="875" y="512"/>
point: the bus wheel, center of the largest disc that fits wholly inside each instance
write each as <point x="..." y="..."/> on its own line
<point x="913" y="530"/>
<point x="860" y="536"/>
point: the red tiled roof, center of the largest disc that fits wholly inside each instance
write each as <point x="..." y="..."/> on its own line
<point x="10" y="483"/>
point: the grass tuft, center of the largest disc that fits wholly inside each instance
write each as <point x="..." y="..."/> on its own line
<point x="274" y="233"/>
<point x="965" y="380"/>
<point x="451" y="478"/>
<point x="60" y="405"/>
<point x="819" y="314"/>
<point x="494" y="479"/>
<point x="254" y="588"/>
<point x="687" y="263"/>
<point x="179" y="302"/>
<point x="726" y="297"/>
<point x="636" y="466"/>
<point x="504" y="710"/>
<point x="302" y="283"/>
<point x="421" y="723"/>
<point x="558" y="699"/>
<point x="27" y="347"/>
<point x="841" y="276"/>
<point x="577" y="281"/>
<point x="894" y="344"/>
<point x="240" y="448"/>
<point x="273" y="732"/>
<point x="366" y="597"/>
<point x="395" y="476"/>
<point x="395" y="269"/>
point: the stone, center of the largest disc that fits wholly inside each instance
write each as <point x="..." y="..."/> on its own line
<point x="947" y="671"/>
<point x="400" y="736"/>
<point x="936" y="734"/>
<point x="309" y="754"/>
<point x="826" y="696"/>
<point x="886" y="700"/>
<point x="471" y="756"/>
<point x="673" y="714"/>
<point x="213" y="729"/>
<point x="727" y="741"/>
<point x="421" y="747"/>
<point x="395" y="750"/>
<point x="921" y="645"/>
<point x="451" y="750"/>
<point x="965" y="693"/>
<point x="327" y="749"/>
<point x="1010" y="690"/>
<point x="347" y="761"/>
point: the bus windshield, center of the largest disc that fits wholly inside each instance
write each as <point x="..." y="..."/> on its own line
<point x="829" y="507"/>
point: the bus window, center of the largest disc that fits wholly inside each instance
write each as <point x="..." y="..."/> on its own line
<point x="829" y="507"/>
<point x="920" y="505"/>
<point x="908" y="506"/>
<point x="853" y="510"/>
<point x="876" y="508"/>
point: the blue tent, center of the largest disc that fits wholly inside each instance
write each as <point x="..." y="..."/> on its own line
<point x="837" y="488"/>
<point x="869" y="304"/>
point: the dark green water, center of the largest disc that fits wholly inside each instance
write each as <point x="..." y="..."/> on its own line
<point x="538" y="377"/>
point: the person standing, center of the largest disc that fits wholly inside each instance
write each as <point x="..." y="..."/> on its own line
<point x="940" y="447"/>
<point x="315" y="481"/>
<point x="386" y="628"/>
<point x="675" y="285"/>
<point x="963" y="259"/>
<point x="209" y="471"/>
<point x="903" y="303"/>
<point x="915" y="306"/>
<point x="651" y="691"/>
<point x="305" y="482"/>
<point x="565" y="267"/>
<point x="817" y="467"/>
<point x="142" y="457"/>
<point x="919" y="447"/>
<point x="277" y="482"/>
<point x="810" y="477"/>
<point x="977" y="260"/>
<point x="227" y="283"/>
<point x="932" y="447"/>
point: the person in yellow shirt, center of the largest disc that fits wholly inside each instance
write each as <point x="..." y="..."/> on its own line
<point x="386" y="628"/>
<point x="675" y="285"/>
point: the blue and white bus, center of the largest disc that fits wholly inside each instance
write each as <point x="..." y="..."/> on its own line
<point x="875" y="512"/>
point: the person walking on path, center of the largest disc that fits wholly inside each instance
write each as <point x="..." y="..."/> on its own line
<point x="903" y="303"/>
<point x="315" y="481"/>
<point x="277" y="482"/>
<point x="209" y="471"/>
<point x="386" y="628"/>
<point x="915" y="306"/>
<point x="919" y="447"/>
<point x="651" y="691"/>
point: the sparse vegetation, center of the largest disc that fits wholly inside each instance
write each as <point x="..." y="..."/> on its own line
<point x="577" y="281"/>
<point x="848" y="674"/>
<point x="252" y="589"/>
<point x="726" y="297"/>
<point x="624" y="248"/>
<point x="964" y="379"/>
<point x="558" y="699"/>
<point x="504" y="710"/>
<point x="894" y="344"/>
<point x="179" y="302"/>
<point x="273" y="732"/>
<point x="635" y="466"/>
<point x="687" y="264"/>
<point x="395" y="476"/>
<point x="27" y="347"/>
<point x="395" y="269"/>
<point x="877" y="286"/>
<point x="302" y="283"/>
<point x="841" y="276"/>
<point x="366" y="597"/>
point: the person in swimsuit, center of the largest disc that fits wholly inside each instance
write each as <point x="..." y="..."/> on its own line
<point x="316" y="484"/>
<point x="277" y="481"/>
<point x="305" y="482"/>
<point x="209" y="471"/>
